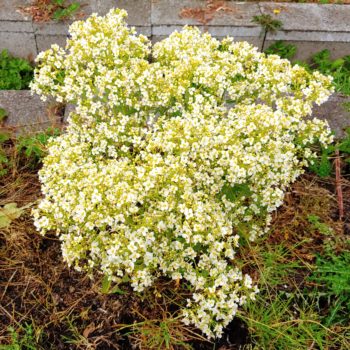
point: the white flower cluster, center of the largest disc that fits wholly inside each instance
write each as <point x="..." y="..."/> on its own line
<point x="168" y="162"/>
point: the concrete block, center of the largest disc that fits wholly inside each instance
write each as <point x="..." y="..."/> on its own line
<point x="139" y="11"/>
<point x="299" y="35"/>
<point x="336" y="112"/>
<point x="44" y="42"/>
<point x="16" y="26"/>
<point x="231" y="13"/>
<point x="27" y="113"/>
<point x="18" y="44"/>
<point x="313" y="17"/>
<point x="9" y="10"/>
<point x="147" y="31"/>
<point x="253" y="35"/>
<point x="51" y="28"/>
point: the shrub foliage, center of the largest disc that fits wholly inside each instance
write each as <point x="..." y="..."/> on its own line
<point x="168" y="163"/>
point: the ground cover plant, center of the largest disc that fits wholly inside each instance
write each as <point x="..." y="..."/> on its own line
<point x="169" y="165"/>
<point x="15" y="73"/>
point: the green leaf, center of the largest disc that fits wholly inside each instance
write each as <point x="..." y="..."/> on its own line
<point x="4" y="137"/>
<point x="106" y="285"/>
<point x="73" y="7"/>
<point x="8" y="213"/>
<point x="125" y="279"/>
<point x="117" y="290"/>
<point x="3" y="114"/>
<point x="66" y="12"/>
<point x="232" y="193"/>
<point x="58" y="14"/>
<point x="337" y="63"/>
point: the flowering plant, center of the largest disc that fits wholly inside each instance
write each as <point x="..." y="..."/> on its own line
<point x="168" y="163"/>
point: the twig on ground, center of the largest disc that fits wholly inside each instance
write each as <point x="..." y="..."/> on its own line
<point x="338" y="185"/>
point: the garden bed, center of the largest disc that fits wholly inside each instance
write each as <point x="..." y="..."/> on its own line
<point x="112" y="157"/>
<point x="53" y="307"/>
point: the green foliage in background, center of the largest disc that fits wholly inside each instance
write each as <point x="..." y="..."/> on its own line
<point x="15" y="73"/>
<point x="64" y="10"/>
<point x="339" y="69"/>
<point x="322" y="165"/>
<point x="281" y="49"/>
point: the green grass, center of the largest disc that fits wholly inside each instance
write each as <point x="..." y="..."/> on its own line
<point x="304" y="299"/>
<point x="286" y="314"/>
<point x="332" y="276"/>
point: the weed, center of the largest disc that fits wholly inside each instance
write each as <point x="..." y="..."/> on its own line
<point x="9" y="213"/>
<point x="64" y="11"/>
<point x="339" y="69"/>
<point x="25" y="341"/>
<point x="280" y="324"/>
<point x="15" y="73"/>
<point x="268" y="22"/>
<point x="34" y="147"/>
<point x="3" y="156"/>
<point x="46" y="10"/>
<point x="281" y="49"/>
<point x="322" y="165"/>
<point x="321" y="227"/>
<point x="26" y="151"/>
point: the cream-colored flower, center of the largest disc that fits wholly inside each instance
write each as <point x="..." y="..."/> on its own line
<point x="167" y="164"/>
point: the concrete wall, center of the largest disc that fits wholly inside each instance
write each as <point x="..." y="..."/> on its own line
<point x="311" y="27"/>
